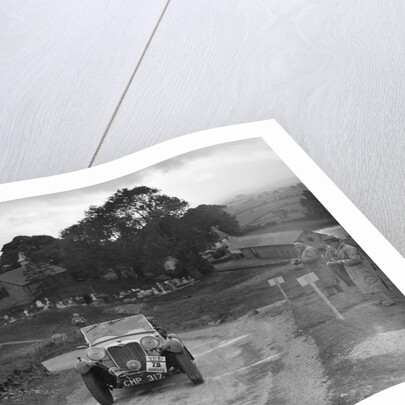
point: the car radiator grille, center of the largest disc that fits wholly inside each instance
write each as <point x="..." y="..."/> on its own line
<point x="122" y="354"/>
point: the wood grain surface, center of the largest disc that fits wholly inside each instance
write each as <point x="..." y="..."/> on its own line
<point x="63" y="67"/>
<point x="330" y="72"/>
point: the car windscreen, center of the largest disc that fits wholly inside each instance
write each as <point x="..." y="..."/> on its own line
<point x="116" y="328"/>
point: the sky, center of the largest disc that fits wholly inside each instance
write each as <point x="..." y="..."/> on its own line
<point x="210" y="175"/>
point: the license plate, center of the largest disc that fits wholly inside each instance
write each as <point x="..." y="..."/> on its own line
<point x="156" y="358"/>
<point x="142" y="379"/>
<point x="156" y="364"/>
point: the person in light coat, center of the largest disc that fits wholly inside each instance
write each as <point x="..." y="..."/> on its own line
<point x="330" y="256"/>
<point x="313" y="261"/>
<point x="365" y="278"/>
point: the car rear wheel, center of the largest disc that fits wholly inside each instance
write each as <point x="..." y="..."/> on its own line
<point x="98" y="389"/>
<point x="188" y="366"/>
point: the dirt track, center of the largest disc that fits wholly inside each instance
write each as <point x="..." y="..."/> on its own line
<point x="249" y="361"/>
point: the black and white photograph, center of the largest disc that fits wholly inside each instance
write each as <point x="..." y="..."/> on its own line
<point x="213" y="277"/>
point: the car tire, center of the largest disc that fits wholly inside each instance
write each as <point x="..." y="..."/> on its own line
<point x="188" y="367"/>
<point x="98" y="389"/>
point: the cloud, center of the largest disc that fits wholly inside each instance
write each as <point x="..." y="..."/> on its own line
<point x="210" y="175"/>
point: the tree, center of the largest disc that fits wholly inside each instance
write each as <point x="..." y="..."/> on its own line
<point x="140" y="227"/>
<point x="204" y="217"/>
<point x="124" y="214"/>
<point x="112" y="230"/>
<point x="151" y="247"/>
<point x="192" y="234"/>
<point x="40" y="248"/>
<point x="81" y="258"/>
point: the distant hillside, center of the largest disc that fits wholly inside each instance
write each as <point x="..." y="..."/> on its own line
<point x="268" y="208"/>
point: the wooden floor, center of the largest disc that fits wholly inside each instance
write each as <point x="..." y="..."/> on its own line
<point x="85" y="82"/>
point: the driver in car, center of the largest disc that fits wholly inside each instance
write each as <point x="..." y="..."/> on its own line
<point x="158" y="329"/>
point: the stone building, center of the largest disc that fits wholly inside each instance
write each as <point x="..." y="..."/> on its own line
<point x="17" y="290"/>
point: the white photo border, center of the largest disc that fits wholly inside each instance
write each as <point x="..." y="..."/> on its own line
<point x="342" y="209"/>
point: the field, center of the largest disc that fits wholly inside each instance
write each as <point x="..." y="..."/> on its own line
<point x="297" y="225"/>
<point x="268" y="207"/>
<point x="270" y="212"/>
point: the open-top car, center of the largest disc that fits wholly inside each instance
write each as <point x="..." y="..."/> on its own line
<point x="128" y="352"/>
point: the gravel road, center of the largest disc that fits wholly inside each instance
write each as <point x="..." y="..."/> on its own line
<point x="257" y="359"/>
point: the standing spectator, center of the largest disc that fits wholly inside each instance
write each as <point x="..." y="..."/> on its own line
<point x="314" y="263"/>
<point x="363" y="276"/>
<point x="158" y="329"/>
<point x="331" y="256"/>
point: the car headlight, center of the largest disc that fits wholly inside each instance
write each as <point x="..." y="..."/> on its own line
<point x="150" y="342"/>
<point x="96" y="353"/>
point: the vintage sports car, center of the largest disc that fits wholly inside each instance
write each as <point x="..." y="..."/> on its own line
<point x="128" y="352"/>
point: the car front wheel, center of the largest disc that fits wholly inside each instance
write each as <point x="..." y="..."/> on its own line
<point x="188" y="366"/>
<point x="98" y="389"/>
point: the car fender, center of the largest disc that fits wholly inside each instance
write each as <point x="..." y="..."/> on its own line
<point x="173" y="336"/>
<point x="173" y="345"/>
<point x="83" y="366"/>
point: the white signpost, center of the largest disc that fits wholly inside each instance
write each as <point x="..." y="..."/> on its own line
<point x="277" y="281"/>
<point x="310" y="279"/>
